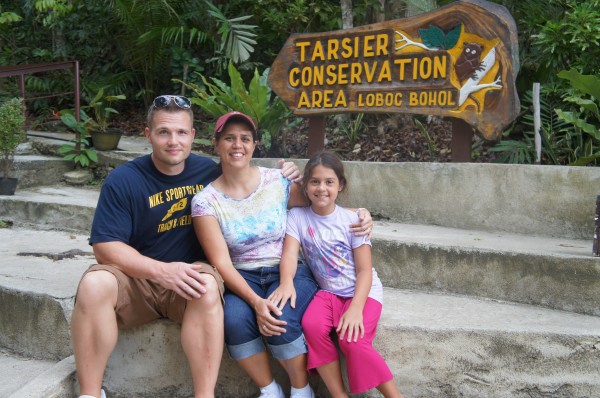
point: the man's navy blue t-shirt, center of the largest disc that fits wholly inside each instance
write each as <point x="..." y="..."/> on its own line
<point x="150" y="211"/>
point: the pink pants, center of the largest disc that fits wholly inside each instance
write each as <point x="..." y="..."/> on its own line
<point x="366" y="368"/>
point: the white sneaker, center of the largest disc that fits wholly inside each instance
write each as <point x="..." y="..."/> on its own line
<point x="267" y="393"/>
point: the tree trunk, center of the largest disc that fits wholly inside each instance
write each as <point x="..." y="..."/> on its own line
<point x="347" y="19"/>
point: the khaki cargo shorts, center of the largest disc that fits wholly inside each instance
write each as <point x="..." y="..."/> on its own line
<point x="141" y="301"/>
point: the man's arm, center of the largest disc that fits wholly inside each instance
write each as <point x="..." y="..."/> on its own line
<point x="180" y="277"/>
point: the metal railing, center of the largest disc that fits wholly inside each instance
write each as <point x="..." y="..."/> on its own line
<point x="27" y="69"/>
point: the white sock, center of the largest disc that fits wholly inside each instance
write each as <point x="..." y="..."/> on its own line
<point x="273" y="387"/>
<point x="305" y="391"/>
<point x="102" y="395"/>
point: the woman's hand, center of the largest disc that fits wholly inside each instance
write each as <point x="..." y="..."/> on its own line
<point x="289" y="170"/>
<point x="365" y="224"/>
<point x="268" y="325"/>
<point x="351" y="325"/>
<point x="282" y="294"/>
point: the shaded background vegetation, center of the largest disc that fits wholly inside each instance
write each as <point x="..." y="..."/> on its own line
<point x="143" y="48"/>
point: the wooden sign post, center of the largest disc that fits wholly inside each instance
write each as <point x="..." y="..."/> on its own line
<point x="458" y="61"/>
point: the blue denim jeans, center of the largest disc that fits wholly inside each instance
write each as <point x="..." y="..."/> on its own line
<point x="242" y="336"/>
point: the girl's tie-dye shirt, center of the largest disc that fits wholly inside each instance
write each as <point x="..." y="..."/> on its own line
<point x="253" y="227"/>
<point x="327" y="245"/>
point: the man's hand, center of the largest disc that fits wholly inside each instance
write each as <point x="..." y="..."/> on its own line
<point x="289" y="170"/>
<point x="184" y="279"/>
<point x="365" y="225"/>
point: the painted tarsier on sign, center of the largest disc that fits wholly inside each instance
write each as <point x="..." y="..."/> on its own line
<point x="457" y="61"/>
<point x="474" y="61"/>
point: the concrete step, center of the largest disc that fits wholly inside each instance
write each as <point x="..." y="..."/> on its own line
<point x="24" y="377"/>
<point x="37" y="170"/>
<point x="39" y="274"/>
<point x="438" y="345"/>
<point x="18" y="371"/>
<point x="58" y="207"/>
<point x="558" y="273"/>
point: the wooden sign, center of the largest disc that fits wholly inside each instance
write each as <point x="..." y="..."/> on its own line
<point x="460" y="61"/>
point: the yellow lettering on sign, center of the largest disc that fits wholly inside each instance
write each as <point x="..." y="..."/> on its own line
<point x="318" y="54"/>
<point x="332" y="49"/>
<point x="322" y="99"/>
<point x="293" y="77"/>
<point x="423" y="68"/>
<point x="357" y="47"/>
<point x="332" y="74"/>
<point x="379" y="99"/>
<point x="432" y="98"/>
<point x="302" y="45"/>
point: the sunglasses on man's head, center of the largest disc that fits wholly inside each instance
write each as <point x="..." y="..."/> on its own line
<point x="163" y="101"/>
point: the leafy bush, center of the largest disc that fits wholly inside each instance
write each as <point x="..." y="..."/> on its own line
<point x="258" y="101"/>
<point x="12" y="132"/>
<point x="518" y="142"/>
<point x="585" y="118"/>
<point x="78" y="150"/>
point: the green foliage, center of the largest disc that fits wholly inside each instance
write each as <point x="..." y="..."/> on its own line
<point x="553" y="133"/>
<point x="430" y="144"/>
<point x="101" y="106"/>
<point x="278" y="19"/>
<point x="9" y="17"/>
<point x="585" y="118"/>
<point x="572" y="38"/>
<point x="12" y="132"/>
<point x="353" y="128"/>
<point x="237" y="40"/>
<point x="78" y="150"/>
<point x="257" y="101"/>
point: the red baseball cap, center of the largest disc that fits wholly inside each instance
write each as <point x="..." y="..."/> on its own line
<point x="233" y="115"/>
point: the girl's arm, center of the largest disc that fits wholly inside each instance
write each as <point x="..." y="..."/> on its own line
<point x="287" y="270"/>
<point x="352" y="320"/>
<point x="213" y="243"/>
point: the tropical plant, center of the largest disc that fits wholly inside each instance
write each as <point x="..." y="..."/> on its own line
<point x="430" y="144"/>
<point x="100" y="104"/>
<point x="571" y="39"/>
<point x="78" y="150"/>
<point x="352" y="127"/>
<point x="237" y="40"/>
<point x="257" y="101"/>
<point x="12" y="132"/>
<point x="585" y="118"/>
<point x="518" y="142"/>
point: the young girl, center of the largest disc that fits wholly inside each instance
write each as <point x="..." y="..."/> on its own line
<point x="350" y="298"/>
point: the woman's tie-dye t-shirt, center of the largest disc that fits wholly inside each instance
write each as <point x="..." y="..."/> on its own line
<point x="253" y="227"/>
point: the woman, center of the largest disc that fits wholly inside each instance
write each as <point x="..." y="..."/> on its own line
<point x="240" y="221"/>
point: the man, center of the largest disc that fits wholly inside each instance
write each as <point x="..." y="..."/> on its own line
<point x="145" y="245"/>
